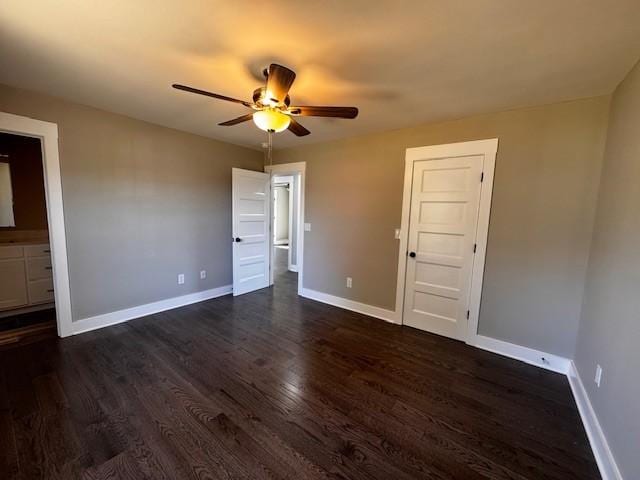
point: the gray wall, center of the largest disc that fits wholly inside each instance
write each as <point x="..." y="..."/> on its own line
<point x="547" y="174"/>
<point x="142" y="204"/>
<point x="609" y="332"/>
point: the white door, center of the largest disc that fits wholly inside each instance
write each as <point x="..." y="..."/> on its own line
<point x="445" y="198"/>
<point x="250" y="211"/>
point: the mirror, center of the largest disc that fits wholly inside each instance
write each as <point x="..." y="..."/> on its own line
<point x="6" y="197"/>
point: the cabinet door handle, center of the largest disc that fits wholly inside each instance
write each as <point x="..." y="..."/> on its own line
<point x="47" y="268"/>
<point x="47" y="251"/>
<point x="50" y="290"/>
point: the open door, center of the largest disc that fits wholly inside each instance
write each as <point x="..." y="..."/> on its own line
<point x="251" y="214"/>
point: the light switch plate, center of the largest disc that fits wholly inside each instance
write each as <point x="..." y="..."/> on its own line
<point x="397" y="234"/>
<point x="307" y="227"/>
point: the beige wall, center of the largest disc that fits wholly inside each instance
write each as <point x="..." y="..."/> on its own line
<point x="547" y="173"/>
<point x="142" y="204"/>
<point x="609" y="332"/>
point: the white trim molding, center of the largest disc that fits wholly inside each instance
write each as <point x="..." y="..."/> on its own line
<point x="120" y="316"/>
<point x="604" y="457"/>
<point x="365" y="309"/>
<point x="48" y="134"/>
<point x="545" y="360"/>
<point x="487" y="149"/>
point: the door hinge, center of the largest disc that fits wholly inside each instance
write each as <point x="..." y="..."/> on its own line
<point x="475" y="246"/>
<point x="467" y="314"/>
<point x="482" y="177"/>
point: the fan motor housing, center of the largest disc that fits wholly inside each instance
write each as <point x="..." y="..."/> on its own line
<point x="259" y="94"/>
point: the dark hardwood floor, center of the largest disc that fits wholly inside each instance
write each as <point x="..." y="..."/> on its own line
<point x="16" y="330"/>
<point x="270" y="385"/>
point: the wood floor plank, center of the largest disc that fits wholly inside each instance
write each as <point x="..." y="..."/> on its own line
<point x="271" y="385"/>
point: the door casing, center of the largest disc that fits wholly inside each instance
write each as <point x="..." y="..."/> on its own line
<point x="488" y="148"/>
<point x="47" y="132"/>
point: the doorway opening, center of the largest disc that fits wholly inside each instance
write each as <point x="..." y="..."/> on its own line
<point x="259" y="258"/>
<point x="42" y="255"/>
<point x="287" y="224"/>
<point x="27" y="303"/>
<point x="284" y="236"/>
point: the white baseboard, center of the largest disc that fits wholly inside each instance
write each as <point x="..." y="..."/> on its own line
<point x="377" y="312"/>
<point x="119" y="316"/>
<point x="528" y="355"/>
<point x="604" y="457"/>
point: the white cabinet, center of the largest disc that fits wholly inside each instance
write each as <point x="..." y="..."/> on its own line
<point x="25" y="276"/>
<point x="40" y="291"/>
<point x="13" y="284"/>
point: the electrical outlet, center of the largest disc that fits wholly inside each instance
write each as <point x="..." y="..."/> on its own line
<point x="181" y="279"/>
<point x="203" y="274"/>
<point x="349" y="282"/>
<point x="598" y="377"/>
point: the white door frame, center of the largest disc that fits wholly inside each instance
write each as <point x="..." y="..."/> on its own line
<point x="48" y="134"/>
<point x="284" y="169"/>
<point x="488" y="148"/>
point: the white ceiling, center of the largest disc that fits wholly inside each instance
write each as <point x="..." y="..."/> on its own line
<point x="401" y="62"/>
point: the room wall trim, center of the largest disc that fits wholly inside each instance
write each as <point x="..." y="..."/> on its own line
<point x="120" y="316"/>
<point x="47" y="132"/>
<point x="538" y="358"/>
<point x="365" y="309"/>
<point x="599" y="445"/>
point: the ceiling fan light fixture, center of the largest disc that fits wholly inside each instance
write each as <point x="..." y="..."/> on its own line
<point x="271" y="120"/>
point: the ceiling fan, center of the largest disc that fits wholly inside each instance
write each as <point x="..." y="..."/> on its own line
<point x="272" y="105"/>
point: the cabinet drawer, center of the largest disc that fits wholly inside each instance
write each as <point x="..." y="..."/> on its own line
<point x="38" y="268"/>
<point x="37" y="250"/>
<point x="41" y="291"/>
<point x="13" y="288"/>
<point x="11" y="251"/>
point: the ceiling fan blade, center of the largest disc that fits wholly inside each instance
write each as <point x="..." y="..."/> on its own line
<point x="337" y="112"/>
<point x="210" y="94"/>
<point x="298" y="129"/>
<point x="236" y="121"/>
<point x="279" y="82"/>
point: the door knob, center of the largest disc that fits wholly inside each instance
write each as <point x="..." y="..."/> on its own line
<point x="238" y="239"/>
<point x="412" y="254"/>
